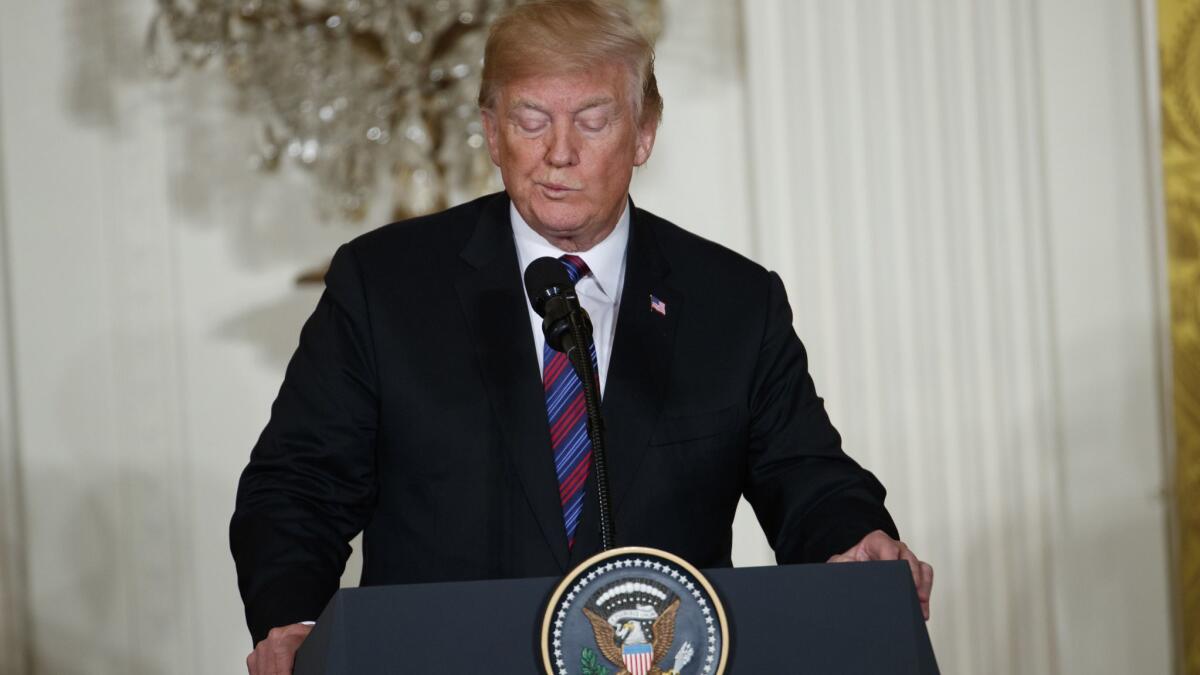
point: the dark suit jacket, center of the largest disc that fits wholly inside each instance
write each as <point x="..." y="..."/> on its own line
<point x="413" y="408"/>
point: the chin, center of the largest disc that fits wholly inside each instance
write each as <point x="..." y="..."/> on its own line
<point x="561" y="219"/>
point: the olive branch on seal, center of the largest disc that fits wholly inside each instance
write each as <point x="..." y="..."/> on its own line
<point x="589" y="663"/>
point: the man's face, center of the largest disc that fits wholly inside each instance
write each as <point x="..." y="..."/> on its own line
<point x="566" y="146"/>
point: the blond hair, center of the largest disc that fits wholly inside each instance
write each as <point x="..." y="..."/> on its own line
<point x="551" y="37"/>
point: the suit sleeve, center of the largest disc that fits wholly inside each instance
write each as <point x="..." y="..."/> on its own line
<point x="811" y="499"/>
<point x="310" y="484"/>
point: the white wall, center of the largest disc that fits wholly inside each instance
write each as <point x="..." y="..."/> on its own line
<point x="954" y="191"/>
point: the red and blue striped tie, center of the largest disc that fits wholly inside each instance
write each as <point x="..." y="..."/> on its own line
<point x="567" y="416"/>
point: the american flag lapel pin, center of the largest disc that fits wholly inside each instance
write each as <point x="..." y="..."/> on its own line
<point x="657" y="305"/>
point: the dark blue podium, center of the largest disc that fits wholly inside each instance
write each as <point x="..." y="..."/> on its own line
<point x="821" y="619"/>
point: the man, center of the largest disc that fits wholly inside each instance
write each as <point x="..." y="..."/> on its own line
<point x="422" y="405"/>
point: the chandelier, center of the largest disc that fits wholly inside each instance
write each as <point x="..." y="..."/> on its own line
<point x="373" y="97"/>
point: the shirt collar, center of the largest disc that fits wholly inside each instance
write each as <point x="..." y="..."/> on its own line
<point x="604" y="259"/>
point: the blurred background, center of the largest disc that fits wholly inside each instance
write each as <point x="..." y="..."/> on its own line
<point x="986" y="212"/>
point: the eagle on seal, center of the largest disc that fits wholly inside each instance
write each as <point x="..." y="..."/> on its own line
<point x="634" y="641"/>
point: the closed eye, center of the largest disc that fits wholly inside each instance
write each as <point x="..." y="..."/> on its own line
<point x="592" y="122"/>
<point x="532" y="126"/>
<point x="530" y="121"/>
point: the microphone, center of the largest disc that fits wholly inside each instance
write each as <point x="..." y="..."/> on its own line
<point x="568" y="329"/>
<point x="553" y="297"/>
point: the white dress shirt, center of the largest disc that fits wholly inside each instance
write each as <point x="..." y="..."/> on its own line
<point x="599" y="292"/>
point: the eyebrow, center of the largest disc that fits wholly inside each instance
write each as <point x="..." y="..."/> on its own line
<point x="524" y="104"/>
<point x="593" y="103"/>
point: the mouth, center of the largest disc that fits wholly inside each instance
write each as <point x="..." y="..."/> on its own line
<point x="556" y="190"/>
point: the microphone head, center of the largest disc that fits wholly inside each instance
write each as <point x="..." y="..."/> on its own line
<point x="545" y="278"/>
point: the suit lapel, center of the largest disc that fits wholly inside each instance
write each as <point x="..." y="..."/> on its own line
<point x="638" y="373"/>
<point x="492" y="298"/>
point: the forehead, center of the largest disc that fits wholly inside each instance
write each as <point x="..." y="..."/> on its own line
<point x="568" y="91"/>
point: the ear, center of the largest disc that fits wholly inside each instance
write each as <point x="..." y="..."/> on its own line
<point x="645" y="142"/>
<point x="491" y="131"/>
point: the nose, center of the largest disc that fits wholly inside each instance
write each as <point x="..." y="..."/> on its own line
<point x="562" y="149"/>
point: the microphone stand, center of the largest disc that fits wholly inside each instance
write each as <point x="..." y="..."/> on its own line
<point x="581" y="360"/>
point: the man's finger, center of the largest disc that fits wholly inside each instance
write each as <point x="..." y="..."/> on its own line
<point x="277" y="654"/>
<point x="925" y="590"/>
<point x="285" y="657"/>
<point x="914" y="565"/>
<point x="860" y="553"/>
<point x="867" y="549"/>
<point x="879" y="546"/>
<point x="261" y="660"/>
<point x="925" y="587"/>
<point x="251" y="666"/>
<point x="271" y="657"/>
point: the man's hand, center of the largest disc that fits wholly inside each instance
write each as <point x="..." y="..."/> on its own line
<point x="276" y="654"/>
<point x="879" y="546"/>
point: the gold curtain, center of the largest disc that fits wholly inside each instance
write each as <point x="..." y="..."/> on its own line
<point x="1179" y="45"/>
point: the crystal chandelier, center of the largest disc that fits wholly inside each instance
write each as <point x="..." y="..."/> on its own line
<point x="371" y="96"/>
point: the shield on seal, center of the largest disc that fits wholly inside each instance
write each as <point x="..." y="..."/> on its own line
<point x="637" y="657"/>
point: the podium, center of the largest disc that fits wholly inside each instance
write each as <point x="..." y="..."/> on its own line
<point x="825" y="619"/>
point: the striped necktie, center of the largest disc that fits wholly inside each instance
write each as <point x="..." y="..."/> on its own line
<point x="567" y="416"/>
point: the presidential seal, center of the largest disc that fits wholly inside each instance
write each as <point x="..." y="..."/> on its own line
<point x="634" y="611"/>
